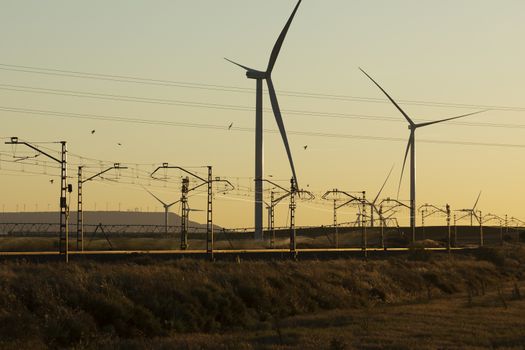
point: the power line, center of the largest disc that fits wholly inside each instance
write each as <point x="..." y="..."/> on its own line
<point x="216" y="106"/>
<point x="55" y="114"/>
<point x="227" y="88"/>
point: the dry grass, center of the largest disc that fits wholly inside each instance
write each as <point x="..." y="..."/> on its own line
<point x="398" y="303"/>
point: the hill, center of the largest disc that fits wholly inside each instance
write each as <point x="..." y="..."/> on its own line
<point x="95" y="217"/>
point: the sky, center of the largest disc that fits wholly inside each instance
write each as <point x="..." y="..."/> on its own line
<point x="438" y="59"/>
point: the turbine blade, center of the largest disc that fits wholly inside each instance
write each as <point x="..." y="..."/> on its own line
<point x="280" y="124"/>
<point x="238" y="64"/>
<point x="172" y="203"/>
<point x="444" y="120"/>
<point x="476" y="203"/>
<point x="381" y="189"/>
<point x="157" y="198"/>
<point x="390" y="98"/>
<point x="280" y="40"/>
<point x="405" y="160"/>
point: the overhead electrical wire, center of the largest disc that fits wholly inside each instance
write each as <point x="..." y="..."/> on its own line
<point x="242" y="129"/>
<point x="216" y="87"/>
<point x="216" y="106"/>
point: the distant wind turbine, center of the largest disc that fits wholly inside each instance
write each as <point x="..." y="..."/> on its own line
<point x="166" y="206"/>
<point x="373" y="203"/>
<point x="411" y="146"/>
<point x="472" y="211"/>
<point x="259" y="76"/>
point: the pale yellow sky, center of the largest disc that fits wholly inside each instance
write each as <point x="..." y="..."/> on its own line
<point x="455" y="52"/>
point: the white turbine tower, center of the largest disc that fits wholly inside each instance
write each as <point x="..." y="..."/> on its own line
<point x="259" y="76"/>
<point x="166" y="206"/>
<point x="411" y="146"/>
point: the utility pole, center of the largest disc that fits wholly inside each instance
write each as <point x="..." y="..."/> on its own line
<point x="63" y="246"/>
<point x="209" y="216"/>
<point x="336" y="233"/>
<point x="364" y="238"/>
<point x="480" y="229"/>
<point x="184" y="214"/>
<point x="449" y="238"/>
<point x="80" y="211"/>
<point x="271" y="220"/>
<point x="293" y="244"/>
<point x="382" y="223"/>
<point x="455" y="231"/>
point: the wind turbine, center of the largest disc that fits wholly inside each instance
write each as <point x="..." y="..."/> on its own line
<point x="259" y="76"/>
<point x="166" y="209"/>
<point x="373" y="206"/>
<point x="472" y="212"/>
<point x="411" y="146"/>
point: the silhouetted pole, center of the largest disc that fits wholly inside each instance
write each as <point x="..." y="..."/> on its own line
<point x="455" y="231"/>
<point x="480" y="229"/>
<point x="80" y="212"/>
<point x="64" y="225"/>
<point x="382" y="224"/>
<point x="271" y="220"/>
<point x="447" y="208"/>
<point x="63" y="241"/>
<point x="209" y="216"/>
<point x="336" y="235"/>
<point x="293" y="244"/>
<point x="184" y="216"/>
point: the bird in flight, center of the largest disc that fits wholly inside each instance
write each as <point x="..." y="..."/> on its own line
<point x="92" y="131"/>
<point x="230" y="126"/>
<point x="119" y="144"/>
<point x="51" y="181"/>
<point x="305" y="146"/>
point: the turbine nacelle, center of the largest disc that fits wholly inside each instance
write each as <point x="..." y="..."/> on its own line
<point x="256" y="74"/>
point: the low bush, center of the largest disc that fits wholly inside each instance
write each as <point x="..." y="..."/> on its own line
<point x="76" y="305"/>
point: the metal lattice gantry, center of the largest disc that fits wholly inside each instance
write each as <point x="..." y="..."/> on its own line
<point x="185" y="209"/>
<point x="292" y="193"/>
<point x="427" y="210"/>
<point x="334" y="195"/>
<point x="80" y="195"/>
<point x="63" y="245"/>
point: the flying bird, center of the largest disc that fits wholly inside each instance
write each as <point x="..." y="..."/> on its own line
<point x="92" y="131"/>
<point x="230" y="126"/>
<point x="305" y="146"/>
<point x="119" y="144"/>
<point x="51" y="181"/>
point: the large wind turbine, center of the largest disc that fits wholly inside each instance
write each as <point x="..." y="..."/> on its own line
<point x="259" y="76"/>
<point x="167" y="207"/>
<point x="411" y="146"/>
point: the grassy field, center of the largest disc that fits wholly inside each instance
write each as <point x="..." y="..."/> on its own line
<point x="306" y="238"/>
<point x="418" y="301"/>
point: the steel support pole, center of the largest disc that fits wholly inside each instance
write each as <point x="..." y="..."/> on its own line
<point x="80" y="213"/>
<point x="64" y="230"/>
<point x="449" y="234"/>
<point x="271" y="220"/>
<point x="480" y="229"/>
<point x="209" y="216"/>
<point x="336" y="233"/>
<point x="184" y="216"/>
<point x="259" y="161"/>
<point x="293" y="245"/>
